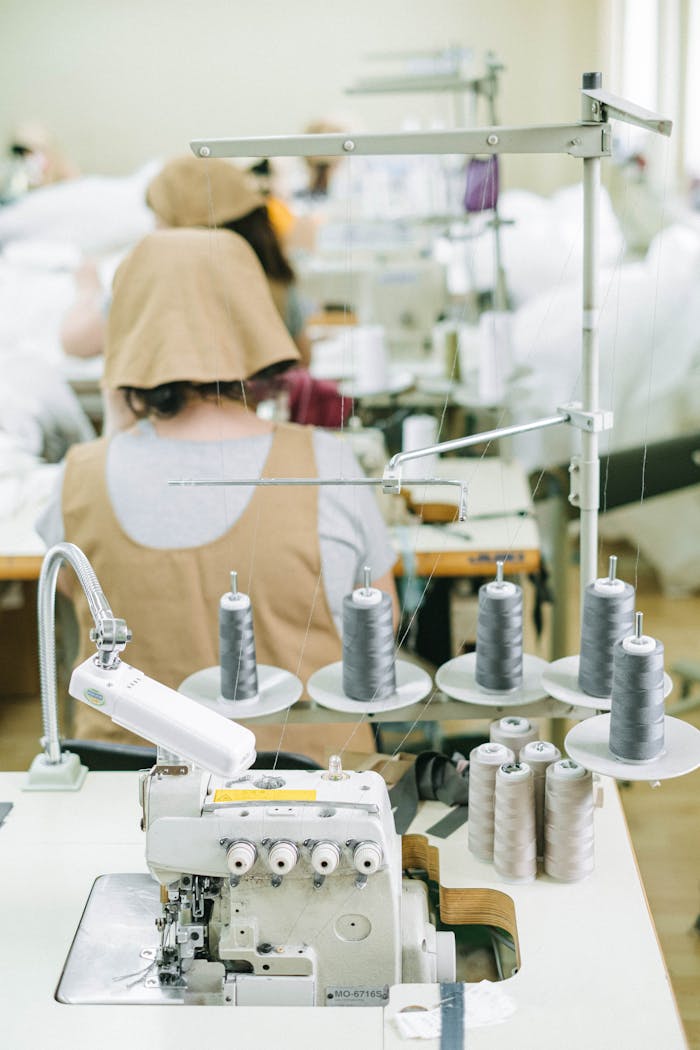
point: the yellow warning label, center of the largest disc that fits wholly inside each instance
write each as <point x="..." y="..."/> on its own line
<point x="261" y="795"/>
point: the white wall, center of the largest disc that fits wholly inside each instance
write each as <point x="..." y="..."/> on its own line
<point x="121" y="81"/>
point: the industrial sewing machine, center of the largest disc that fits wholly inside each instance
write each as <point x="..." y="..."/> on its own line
<point x="276" y="888"/>
<point x="286" y="888"/>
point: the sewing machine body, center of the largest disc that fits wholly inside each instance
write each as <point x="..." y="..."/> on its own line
<point x="286" y="888"/>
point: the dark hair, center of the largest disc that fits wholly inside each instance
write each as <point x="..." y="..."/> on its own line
<point x="262" y="167"/>
<point x="258" y="231"/>
<point x="168" y="399"/>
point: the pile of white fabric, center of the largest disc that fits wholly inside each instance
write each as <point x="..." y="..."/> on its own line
<point x="650" y="377"/>
<point x="44" y="238"/>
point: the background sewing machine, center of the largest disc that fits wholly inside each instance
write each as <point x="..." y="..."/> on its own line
<point x="401" y="288"/>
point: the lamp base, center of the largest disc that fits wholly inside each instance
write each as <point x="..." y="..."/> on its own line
<point x="66" y="775"/>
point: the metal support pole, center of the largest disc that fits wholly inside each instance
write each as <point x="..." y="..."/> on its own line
<point x="590" y="351"/>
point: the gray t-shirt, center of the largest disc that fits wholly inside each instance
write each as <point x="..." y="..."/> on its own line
<point x="351" y="530"/>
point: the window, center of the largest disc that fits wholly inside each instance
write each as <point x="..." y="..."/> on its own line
<point x="691" y="142"/>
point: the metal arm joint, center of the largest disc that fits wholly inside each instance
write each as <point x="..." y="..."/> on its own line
<point x="593" y="422"/>
<point x="110" y="634"/>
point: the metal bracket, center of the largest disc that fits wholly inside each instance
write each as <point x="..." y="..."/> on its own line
<point x="580" y="140"/>
<point x="584" y="490"/>
<point x="575" y="481"/>
<point x="170" y="771"/>
<point x="594" y="422"/>
<point x="616" y="108"/>
<point x="391" y="482"/>
<point x="110" y="634"/>
<point x="364" y="807"/>
<point x="391" y="485"/>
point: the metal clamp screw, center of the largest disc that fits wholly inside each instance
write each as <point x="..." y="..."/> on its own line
<point x="391" y="482"/>
<point x="594" y="422"/>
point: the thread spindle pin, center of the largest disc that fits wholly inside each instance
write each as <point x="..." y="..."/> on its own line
<point x="612" y="568"/>
<point x="638" y="626"/>
<point x="234" y="583"/>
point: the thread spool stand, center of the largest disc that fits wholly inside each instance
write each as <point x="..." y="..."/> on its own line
<point x="458" y="677"/>
<point x="592" y="143"/>
<point x="588" y="743"/>
<point x="560" y="679"/>
<point x="277" y="689"/>
<point x="327" y="686"/>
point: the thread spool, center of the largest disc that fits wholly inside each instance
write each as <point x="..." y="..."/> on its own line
<point x="499" y="635"/>
<point x="419" y="431"/>
<point x="239" y="669"/>
<point x="608" y="616"/>
<point x="484" y="762"/>
<point x="637" y="725"/>
<point x="369" y="358"/>
<point x="514" y="842"/>
<point x="495" y="354"/>
<point x="568" y="821"/>
<point x="513" y="731"/>
<point x="539" y="754"/>
<point x="369" y="669"/>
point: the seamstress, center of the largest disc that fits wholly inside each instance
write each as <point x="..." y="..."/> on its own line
<point x="192" y="322"/>
<point x="190" y="192"/>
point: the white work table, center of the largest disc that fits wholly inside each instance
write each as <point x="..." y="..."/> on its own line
<point x="591" y="978"/>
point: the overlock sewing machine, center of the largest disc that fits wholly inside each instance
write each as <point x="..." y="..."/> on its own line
<point x="276" y="888"/>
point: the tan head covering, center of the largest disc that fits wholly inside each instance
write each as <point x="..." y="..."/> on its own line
<point x="192" y="192"/>
<point x="192" y="305"/>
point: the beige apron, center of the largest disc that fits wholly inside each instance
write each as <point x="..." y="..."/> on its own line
<point x="169" y="598"/>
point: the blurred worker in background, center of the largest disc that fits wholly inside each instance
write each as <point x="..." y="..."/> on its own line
<point x="34" y="159"/>
<point x="322" y="169"/>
